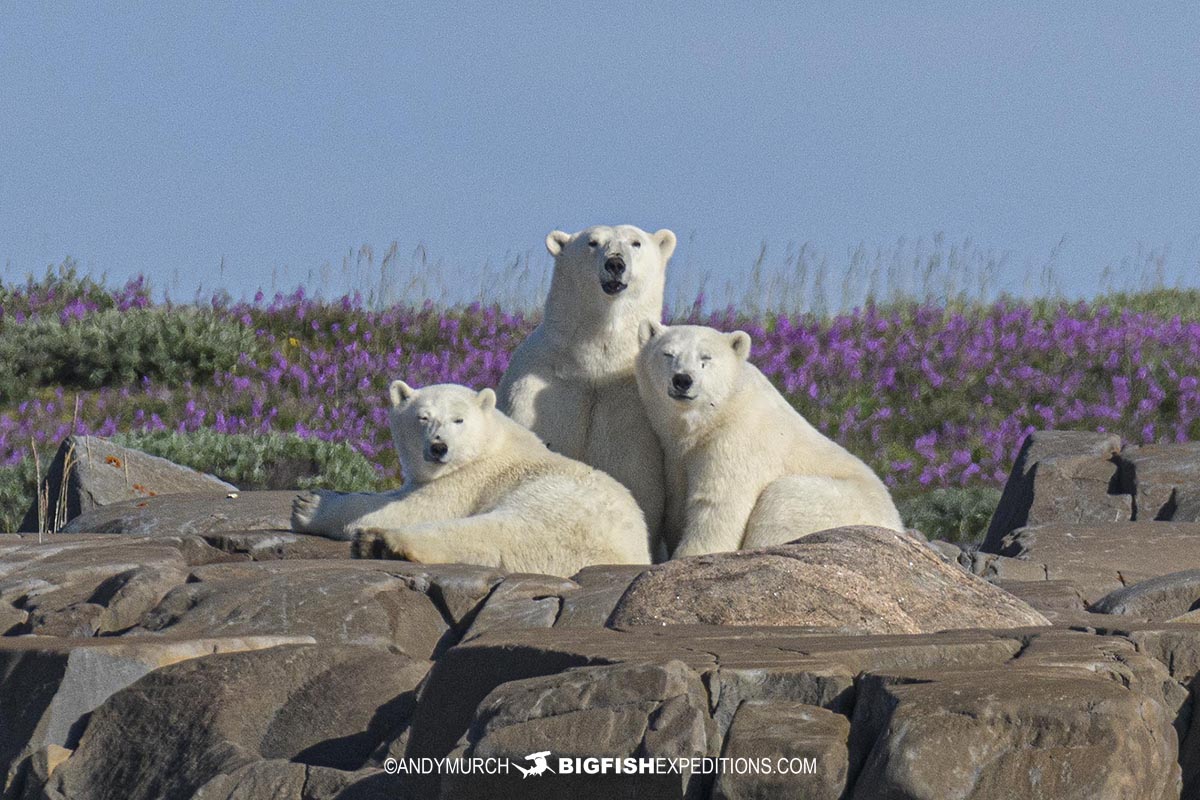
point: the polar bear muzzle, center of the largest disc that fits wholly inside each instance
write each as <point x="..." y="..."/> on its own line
<point x="612" y="280"/>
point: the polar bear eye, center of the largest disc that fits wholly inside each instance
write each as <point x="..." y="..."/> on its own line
<point x="668" y="355"/>
<point x="593" y="243"/>
<point x="637" y="242"/>
<point x="458" y="422"/>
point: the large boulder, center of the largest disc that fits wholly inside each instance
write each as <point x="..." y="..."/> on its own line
<point x="1103" y="558"/>
<point x="179" y="727"/>
<point x="855" y="579"/>
<point x="89" y="473"/>
<point x="1061" y="476"/>
<point x="192" y="513"/>
<point x="1160" y="598"/>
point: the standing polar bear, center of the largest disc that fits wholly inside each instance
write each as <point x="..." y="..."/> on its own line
<point x="572" y="381"/>
<point x="743" y="468"/>
<point x="480" y="489"/>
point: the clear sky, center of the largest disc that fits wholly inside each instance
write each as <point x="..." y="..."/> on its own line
<point x="164" y="138"/>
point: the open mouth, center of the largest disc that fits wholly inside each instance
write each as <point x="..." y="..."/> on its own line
<point x="674" y="395"/>
<point x="613" y="287"/>
<point x="432" y="459"/>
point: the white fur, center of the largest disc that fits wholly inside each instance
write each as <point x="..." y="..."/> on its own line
<point x="572" y="381"/>
<point x="480" y="489"/>
<point x="744" y="469"/>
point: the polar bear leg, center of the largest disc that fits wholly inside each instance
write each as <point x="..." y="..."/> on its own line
<point x="337" y="514"/>
<point x="494" y="539"/>
<point x="796" y="505"/>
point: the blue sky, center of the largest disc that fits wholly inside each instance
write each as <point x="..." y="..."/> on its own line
<point x="163" y="138"/>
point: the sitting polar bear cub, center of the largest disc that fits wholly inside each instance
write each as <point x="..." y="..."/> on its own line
<point x="480" y="489"/>
<point x="744" y="469"/>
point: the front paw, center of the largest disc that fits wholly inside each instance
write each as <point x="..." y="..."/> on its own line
<point x="304" y="511"/>
<point x="369" y="543"/>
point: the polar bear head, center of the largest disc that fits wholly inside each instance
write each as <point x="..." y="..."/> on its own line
<point x="439" y="428"/>
<point x="610" y="263"/>
<point x="688" y="371"/>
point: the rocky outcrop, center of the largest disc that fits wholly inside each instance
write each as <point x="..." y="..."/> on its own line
<point x="89" y="472"/>
<point x="191" y="513"/>
<point x="860" y="580"/>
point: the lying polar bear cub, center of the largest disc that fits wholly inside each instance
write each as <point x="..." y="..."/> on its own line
<point x="480" y="489"/>
<point x="743" y="468"/>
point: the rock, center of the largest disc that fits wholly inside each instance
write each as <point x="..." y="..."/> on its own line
<point x="179" y="727"/>
<point x="1164" y="480"/>
<point x="855" y="579"/>
<point x="351" y="602"/>
<point x="266" y="545"/>
<point x="1061" y="476"/>
<point x="1010" y="733"/>
<point x="193" y="513"/>
<point x="85" y="588"/>
<point x="276" y="778"/>
<point x="49" y="686"/>
<point x="521" y="601"/>
<point x="601" y="588"/>
<point x="101" y="473"/>
<point x="1158" y="598"/>
<point x="619" y="711"/>
<point x="949" y="551"/>
<point x="994" y="568"/>
<point x="792" y="732"/>
<point x="1061" y="602"/>
<point x="1103" y="558"/>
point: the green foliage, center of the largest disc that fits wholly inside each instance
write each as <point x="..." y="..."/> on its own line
<point x="956" y="515"/>
<point x="18" y="486"/>
<point x="266" y="461"/>
<point x="114" y="348"/>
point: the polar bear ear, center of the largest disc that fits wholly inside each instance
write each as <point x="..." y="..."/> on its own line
<point x="647" y="330"/>
<point x="740" y="342"/>
<point x="666" y="242"/>
<point x="487" y="399"/>
<point x="556" y="241"/>
<point x="401" y="393"/>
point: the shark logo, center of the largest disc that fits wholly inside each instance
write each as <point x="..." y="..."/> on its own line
<point x="540" y="767"/>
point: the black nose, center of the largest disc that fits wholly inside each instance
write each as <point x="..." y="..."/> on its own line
<point x="681" y="381"/>
<point x="615" y="265"/>
<point x="438" y="449"/>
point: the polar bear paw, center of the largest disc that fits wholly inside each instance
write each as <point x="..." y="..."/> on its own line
<point x="304" y="511"/>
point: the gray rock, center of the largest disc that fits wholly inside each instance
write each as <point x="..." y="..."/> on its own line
<point x="49" y="686"/>
<point x="183" y="514"/>
<point x="521" y="601"/>
<point x="1164" y="480"/>
<point x="1103" y="558"/>
<point x="1158" y="598"/>
<point x="1061" y="476"/>
<point x="855" y="579"/>
<point x="289" y="780"/>
<point x="601" y="588"/>
<point x="100" y="473"/>
<point x="620" y="711"/>
<point x="176" y="729"/>
<point x="351" y="602"/>
<point x="792" y="732"/>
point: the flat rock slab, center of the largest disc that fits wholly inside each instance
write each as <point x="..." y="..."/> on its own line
<point x="349" y="602"/>
<point x="192" y="513"/>
<point x="1061" y="476"/>
<point x="176" y="729"/>
<point x="855" y="579"/>
<point x="1103" y="558"/>
<point x="89" y="472"/>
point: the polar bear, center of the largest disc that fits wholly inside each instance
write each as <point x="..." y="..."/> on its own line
<point x="481" y="489"/>
<point x="743" y="468"/>
<point x="572" y="381"/>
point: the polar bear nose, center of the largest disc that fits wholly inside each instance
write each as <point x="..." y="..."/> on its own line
<point x="438" y="449"/>
<point x="681" y="381"/>
<point x="615" y="266"/>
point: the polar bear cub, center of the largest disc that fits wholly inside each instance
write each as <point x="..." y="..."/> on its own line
<point x="572" y="381"/>
<point x="743" y="468"/>
<point x="481" y="489"/>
